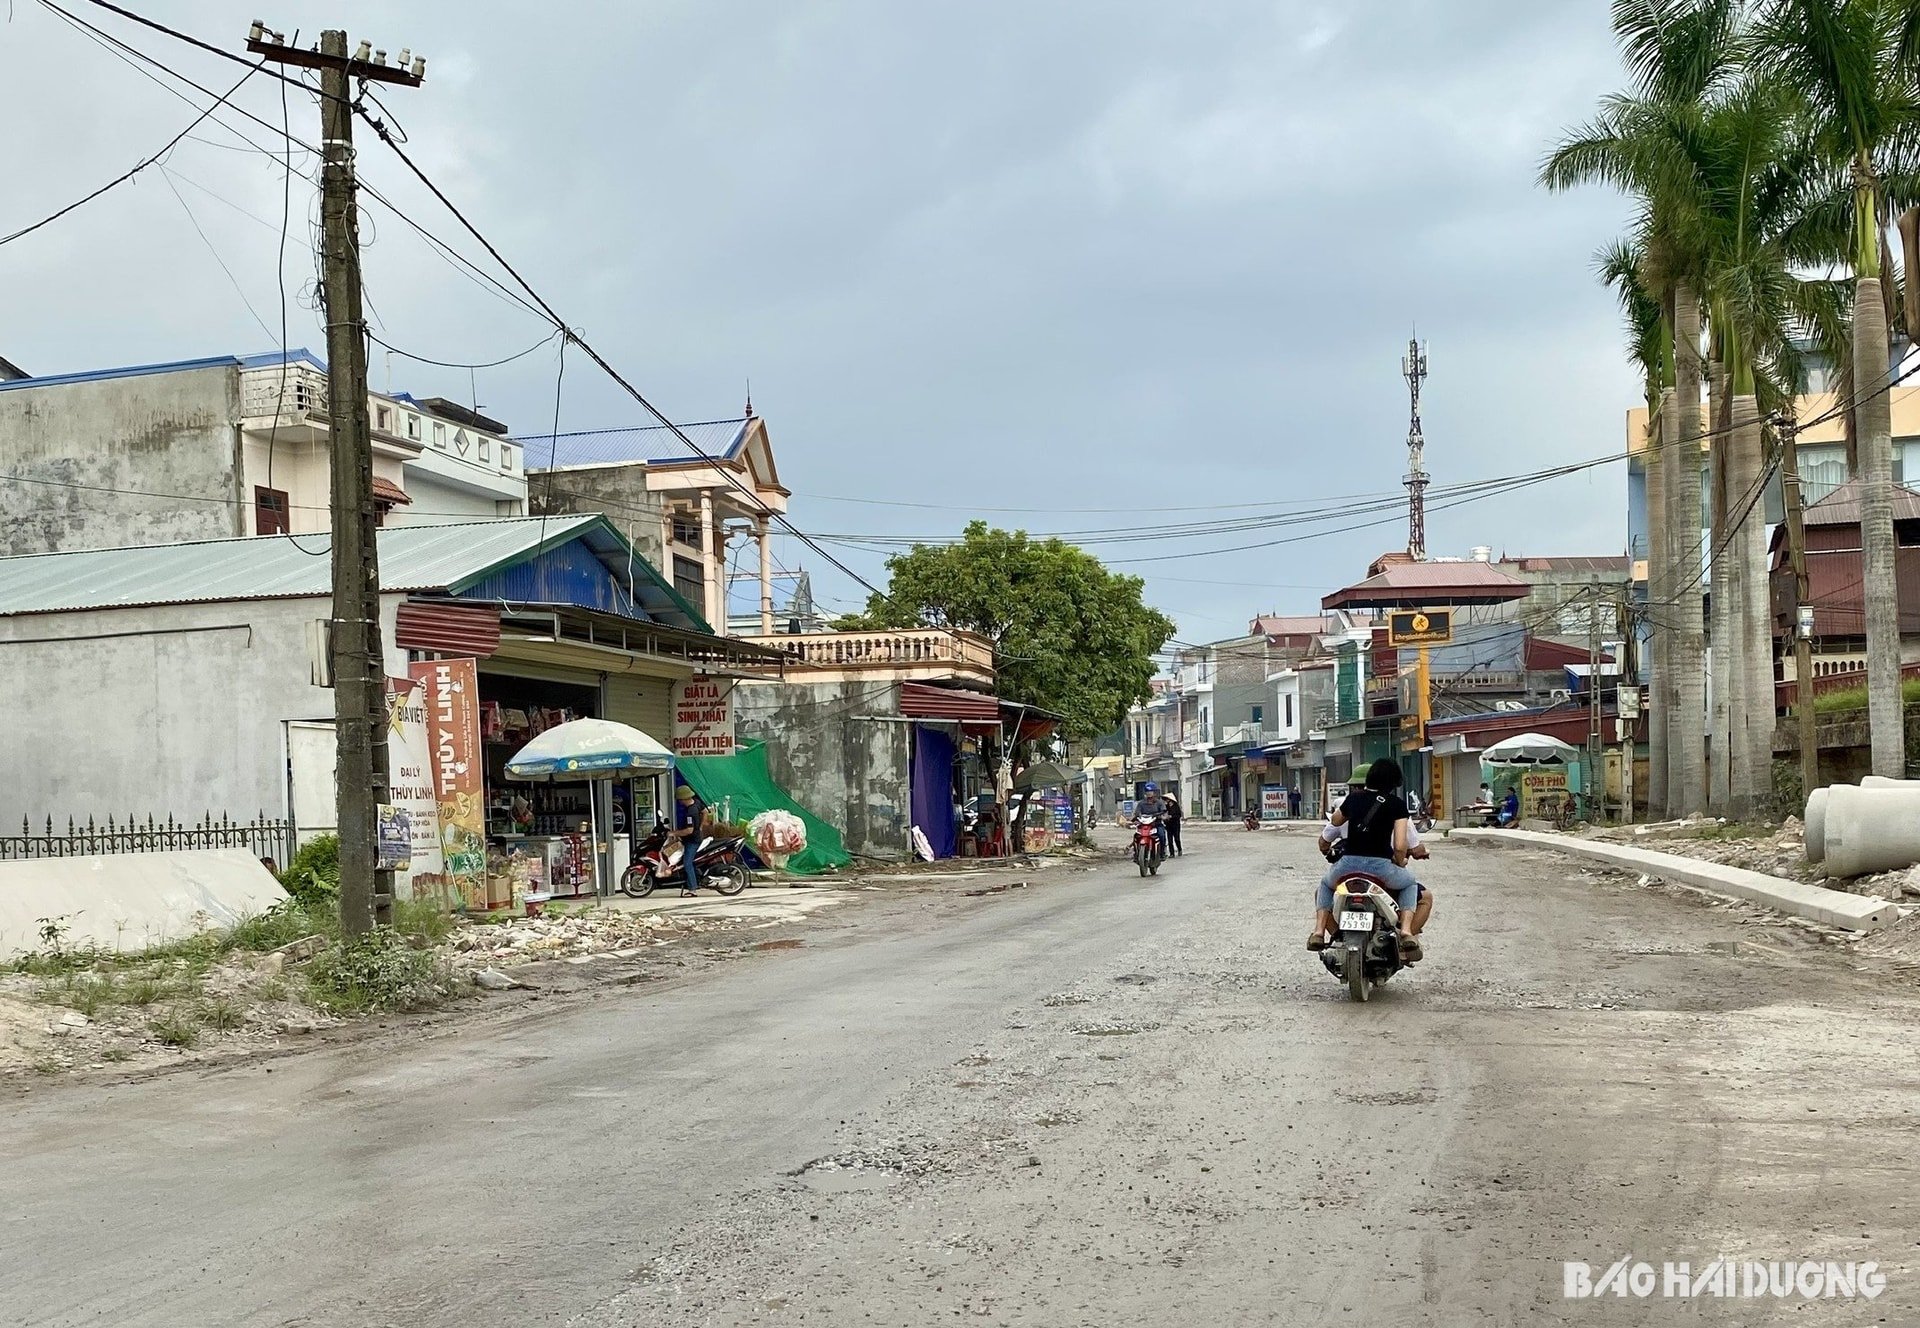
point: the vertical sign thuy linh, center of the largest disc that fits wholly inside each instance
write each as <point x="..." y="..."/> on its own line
<point x="703" y="717"/>
<point x="412" y="788"/>
<point x="453" y="740"/>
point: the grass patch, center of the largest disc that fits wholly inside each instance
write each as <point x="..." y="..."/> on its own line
<point x="1855" y="698"/>
<point x="115" y="1055"/>
<point x="422" y="918"/>
<point x="178" y="1027"/>
<point x="221" y="1015"/>
<point x="376" y="972"/>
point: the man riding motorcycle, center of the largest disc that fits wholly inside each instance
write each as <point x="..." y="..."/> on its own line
<point x="1332" y="836"/>
<point x="1377" y="845"/>
<point x="1152" y="804"/>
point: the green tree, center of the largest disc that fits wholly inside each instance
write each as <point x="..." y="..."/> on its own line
<point x="1068" y="634"/>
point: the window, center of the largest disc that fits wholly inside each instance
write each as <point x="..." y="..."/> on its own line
<point x="413" y="427"/>
<point x="1906" y="461"/>
<point x="440" y="435"/>
<point x="1287" y="700"/>
<point x="486" y="448"/>
<point x="1823" y="468"/>
<point x="383" y="418"/>
<point x="506" y="457"/>
<point x="690" y="579"/>
<point x="686" y="530"/>
<point x="270" y="510"/>
<point x="1259" y="715"/>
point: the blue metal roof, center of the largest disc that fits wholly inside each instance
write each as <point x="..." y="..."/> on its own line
<point x="654" y="445"/>
<point x="458" y="559"/>
<point x="264" y="358"/>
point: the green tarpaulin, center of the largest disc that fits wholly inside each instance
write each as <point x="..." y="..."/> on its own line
<point x="743" y="779"/>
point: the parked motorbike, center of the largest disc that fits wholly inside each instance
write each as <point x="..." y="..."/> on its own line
<point x="1366" y="950"/>
<point x="717" y="863"/>
<point x="1251" y="820"/>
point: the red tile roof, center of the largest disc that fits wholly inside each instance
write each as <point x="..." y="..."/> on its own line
<point x="1421" y="585"/>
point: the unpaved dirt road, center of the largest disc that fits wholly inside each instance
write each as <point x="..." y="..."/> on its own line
<point x="1098" y="1101"/>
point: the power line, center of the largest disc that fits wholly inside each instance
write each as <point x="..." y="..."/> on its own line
<point x="455" y="364"/>
<point x="139" y="166"/>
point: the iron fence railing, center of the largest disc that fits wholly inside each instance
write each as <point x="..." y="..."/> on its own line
<point x="264" y="836"/>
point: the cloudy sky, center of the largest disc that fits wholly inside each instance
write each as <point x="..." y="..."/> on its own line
<point x="1087" y="259"/>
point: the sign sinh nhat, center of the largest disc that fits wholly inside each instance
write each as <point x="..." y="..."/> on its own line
<point x="703" y="717"/>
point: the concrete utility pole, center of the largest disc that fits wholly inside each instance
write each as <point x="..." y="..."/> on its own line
<point x="1413" y="367"/>
<point x="359" y="668"/>
<point x="1596" y="759"/>
<point x="1802" y="606"/>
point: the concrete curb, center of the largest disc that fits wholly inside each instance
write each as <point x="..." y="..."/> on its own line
<point x="1813" y="902"/>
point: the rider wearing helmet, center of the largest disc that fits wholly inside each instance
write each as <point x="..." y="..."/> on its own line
<point x="1152" y="804"/>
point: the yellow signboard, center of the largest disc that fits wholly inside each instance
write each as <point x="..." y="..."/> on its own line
<point x="1420" y="628"/>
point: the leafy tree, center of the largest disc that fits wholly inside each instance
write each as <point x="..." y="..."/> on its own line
<point x="1068" y="634"/>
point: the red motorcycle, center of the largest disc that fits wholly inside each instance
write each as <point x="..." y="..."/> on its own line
<point x="719" y="863"/>
<point x="1148" y="850"/>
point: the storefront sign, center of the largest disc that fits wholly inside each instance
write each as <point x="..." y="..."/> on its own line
<point x="410" y="786"/>
<point x="1543" y="791"/>
<point x="1273" y="802"/>
<point x="1420" y="628"/>
<point x="703" y="717"/>
<point x="453" y="737"/>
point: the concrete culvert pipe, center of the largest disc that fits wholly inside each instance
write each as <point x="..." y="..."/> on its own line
<point x="1816" y="824"/>
<point x="1884" y="781"/>
<point x="1871" y="829"/>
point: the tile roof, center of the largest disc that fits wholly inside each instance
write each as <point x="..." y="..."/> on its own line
<point x="654" y="445"/>
<point x="1415" y="585"/>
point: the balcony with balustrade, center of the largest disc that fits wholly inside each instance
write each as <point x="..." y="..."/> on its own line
<point x="920" y="654"/>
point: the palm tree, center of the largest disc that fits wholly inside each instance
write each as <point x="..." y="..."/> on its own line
<point x="1625" y="267"/>
<point x="1850" y="62"/>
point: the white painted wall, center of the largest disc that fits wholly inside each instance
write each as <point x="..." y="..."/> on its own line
<point x="175" y="709"/>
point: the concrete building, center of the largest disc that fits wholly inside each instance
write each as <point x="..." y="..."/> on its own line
<point x="682" y="509"/>
<point x="231" y="445"/>
<point x="880" y="732"/>
<point x="191" y="677"/>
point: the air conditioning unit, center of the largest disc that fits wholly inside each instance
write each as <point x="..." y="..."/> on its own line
<point x="1560" y="694"/>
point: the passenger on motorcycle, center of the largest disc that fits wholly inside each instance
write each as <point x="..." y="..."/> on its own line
<point x="1335" y="835"/>
<point x="1377" y="845"/>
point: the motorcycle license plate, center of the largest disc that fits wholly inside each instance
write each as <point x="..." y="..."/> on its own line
<point x="1356" y="922"/>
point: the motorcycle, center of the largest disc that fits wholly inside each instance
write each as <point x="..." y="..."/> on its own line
<point x="1366" y="950"/>
<point x="1251" y="820"/>
<point x="1148" y="851"/>
<point x="717" y="863"/>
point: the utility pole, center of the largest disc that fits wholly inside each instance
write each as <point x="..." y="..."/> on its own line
<point x="1596" y="775"/>
<point x="1802" y="605"/>
<point x="359" y="667"/>
<point x="1413" y="367"/>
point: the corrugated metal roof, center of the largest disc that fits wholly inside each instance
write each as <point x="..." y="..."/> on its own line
<point x="1842" y="506"/>
<point x="266" y="566"/>
<point x="1415" y="585"/>
<point x="301" y="355"/>
<point x="655" y="446"/>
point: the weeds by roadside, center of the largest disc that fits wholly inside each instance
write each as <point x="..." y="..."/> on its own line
<point x="376" y="972"/>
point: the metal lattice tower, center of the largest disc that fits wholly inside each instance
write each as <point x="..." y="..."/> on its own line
<point x="1413" y="367"/>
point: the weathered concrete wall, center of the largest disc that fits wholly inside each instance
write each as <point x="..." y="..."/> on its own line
<point x="854" y="772"/>
<point x="618" y="492"/>
<point x="162" y="433"/>
<point x="173" y="710"/>
<point x="436" y="502"/>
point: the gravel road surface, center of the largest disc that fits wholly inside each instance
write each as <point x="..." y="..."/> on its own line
<point x="1098" y="1100"/>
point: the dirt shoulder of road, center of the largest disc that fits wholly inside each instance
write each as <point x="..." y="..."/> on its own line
<point x="117" y="1018"/>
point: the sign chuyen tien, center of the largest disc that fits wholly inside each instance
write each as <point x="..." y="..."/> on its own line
<point x="703" y="717"/>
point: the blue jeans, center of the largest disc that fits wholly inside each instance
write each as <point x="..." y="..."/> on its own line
<point x="1397" y="879"/>
<point x="686" y="863"/>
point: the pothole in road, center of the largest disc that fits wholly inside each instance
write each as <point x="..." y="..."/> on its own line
<point x="1136" y="979"/>
<point x="1119" y="1029"/>
<point x="1060" y="998"/>
<point x="1402" y="1098"/>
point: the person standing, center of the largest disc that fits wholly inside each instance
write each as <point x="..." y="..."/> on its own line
<point x="688" y="818"/>
<point x="1293" y="802"/>
<point x="1173" y="818"/>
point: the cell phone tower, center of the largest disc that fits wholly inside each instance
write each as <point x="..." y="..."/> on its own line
<point x="1413" y="367"/>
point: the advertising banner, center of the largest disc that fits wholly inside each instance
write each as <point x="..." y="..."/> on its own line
<point x="1273" y="802"/>
<point x="703" y="717"/>
<point x="410" y="785"/>
<point x="452" y="704"/>
<point x="1543" y="791"/>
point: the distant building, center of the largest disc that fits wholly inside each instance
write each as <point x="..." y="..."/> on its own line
<point x="680" y="507"/>
<point x="231" y="445"/>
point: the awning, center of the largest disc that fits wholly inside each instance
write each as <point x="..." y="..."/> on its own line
<point x="919" y="700"/>
<point x="386" y="491"/>
<point x="448" y="627"/>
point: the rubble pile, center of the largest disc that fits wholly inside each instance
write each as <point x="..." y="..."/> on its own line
<point x="565" y="936"/>
<point x="1780" y="852"/>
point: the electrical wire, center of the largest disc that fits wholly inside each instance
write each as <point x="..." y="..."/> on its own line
<point x="139" y="166"/>
<point x="456" y="364"/>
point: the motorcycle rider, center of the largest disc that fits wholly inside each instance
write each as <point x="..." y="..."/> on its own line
<point x="1152" y="804"/>
<point x="1332" y="835"/>
<point x="1377" y="845"/>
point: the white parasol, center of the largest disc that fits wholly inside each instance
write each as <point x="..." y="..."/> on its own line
<point x="1530" y="749"/>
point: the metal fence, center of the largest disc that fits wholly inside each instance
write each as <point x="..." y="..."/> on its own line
<point x="263" y="836"/>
